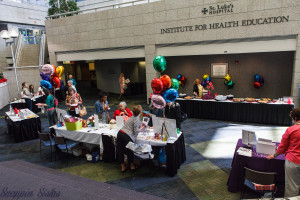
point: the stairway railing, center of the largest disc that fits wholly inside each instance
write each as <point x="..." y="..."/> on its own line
<point x="42" y="50"/>
<point x="19" y="49"/>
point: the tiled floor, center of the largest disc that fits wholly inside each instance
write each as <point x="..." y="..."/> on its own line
<point x="209" y="148"/>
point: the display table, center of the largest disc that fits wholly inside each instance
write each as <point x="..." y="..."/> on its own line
<point x="175" y="148"/>
<point x="20" y="104"/>
<point x="257" y="162"/>
<point x="4" y="95"/>
<point x="271" y="113"/>
<point x="23" y="129"/>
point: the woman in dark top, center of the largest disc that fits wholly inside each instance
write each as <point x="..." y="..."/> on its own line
<point x="173" y="111"/>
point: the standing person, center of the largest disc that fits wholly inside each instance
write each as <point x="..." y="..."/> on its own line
<point x="31" y="89"/>
<point x="154" y="111"/>
<point x="51" y="112"/>
<point x="198" y="89"/>
<point x="123" y="86"/>
<point x="72" y="79"/>
<point x="290" y="146"/>
<point x="101" y="107"/>
<point x="73" y="100"/>
<point x="173" y="111"/>
<point x="27" y="95"/>
<point x="128" y="133"/>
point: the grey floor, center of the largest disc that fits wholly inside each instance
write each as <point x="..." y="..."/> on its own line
<point x="208" y="143"/>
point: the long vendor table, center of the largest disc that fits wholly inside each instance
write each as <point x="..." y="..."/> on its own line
<point x="271" y="113"/>
<point x="175" y="148"/>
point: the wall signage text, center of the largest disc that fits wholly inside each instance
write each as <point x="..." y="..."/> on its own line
<point x="229" y="24"/>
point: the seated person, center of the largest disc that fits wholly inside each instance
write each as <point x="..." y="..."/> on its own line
<point x="122" y="111"/>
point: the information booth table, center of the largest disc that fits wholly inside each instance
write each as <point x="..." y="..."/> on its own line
<point x="23" y="129"/>
<point x="269" y="113"/>
<point x="257" y="162"/>
<point x="175" y="149"/>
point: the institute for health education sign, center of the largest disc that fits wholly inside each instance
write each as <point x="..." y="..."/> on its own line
<point x="229" y="24"/>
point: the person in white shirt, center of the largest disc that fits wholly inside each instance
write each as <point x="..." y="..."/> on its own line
<point x="27" y="95"/>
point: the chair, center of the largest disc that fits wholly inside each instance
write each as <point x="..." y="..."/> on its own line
<point x="64" y="144"/>
<point x="259" y="181"/>
<point x="47" y="141"/>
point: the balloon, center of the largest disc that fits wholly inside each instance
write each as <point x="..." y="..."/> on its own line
<point x="208" y="79"/>
<point x="46" y="84"/>
<point x="56" y="82"/>
<point x="256" y="78"/>
<point x="183" y="80"/>
<point x="205" y="76"/>
<point x="171" y="95"/>
<point x="157" y="85"/>
<point x="158" y="101"/>
<point x="261" y="81"/>
<point x="159" y="63"/>
<point x="180" y="82"/>
<point x="256" y="85"/>
<point x="47" y="69"/>
<point x="166" y="80"/>
<point x="230" y="84"/>
<point x="203" y="83"/>
<point x="174" y="83"/>
<point x="45" y="77"/>
<point x="179" y="76"/>
<point x="225" y="82"/>
<point x="60" y="70"/>
<point x="227" y="77"/>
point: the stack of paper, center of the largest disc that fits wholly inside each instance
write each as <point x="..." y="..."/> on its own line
<point x="244" y="152"/>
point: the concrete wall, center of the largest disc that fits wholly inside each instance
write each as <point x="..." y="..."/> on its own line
<point x="142" y="24"/>
<point x="31" y="76"/>
<point x="276" y="68"/>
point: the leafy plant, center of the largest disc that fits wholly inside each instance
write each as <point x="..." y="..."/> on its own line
<point x="64" y="6"/>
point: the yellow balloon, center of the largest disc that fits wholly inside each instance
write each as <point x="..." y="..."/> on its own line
<point x="227" y="77"/>
<point x="205" y="76"/>
<point x="60" y="70"/>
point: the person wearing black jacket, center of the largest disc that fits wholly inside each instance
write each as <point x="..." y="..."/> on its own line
<point x="173" y="111"/>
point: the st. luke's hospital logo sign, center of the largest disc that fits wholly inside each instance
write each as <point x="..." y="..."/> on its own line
<point x="218" y="9"/>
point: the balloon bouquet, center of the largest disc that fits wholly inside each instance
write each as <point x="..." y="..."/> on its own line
<point x="181" y="79"/>
<point x="258" y="81"/>
<point x="207" y="84"/>
<point x="51" y="76"/>
<point x="228" y="82"/>
<point x="164" y="88"/>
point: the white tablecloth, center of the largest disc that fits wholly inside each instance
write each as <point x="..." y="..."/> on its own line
<point x="16" y="118"/>
<point x="93" y="136"/>
<point x="4" y="95"/>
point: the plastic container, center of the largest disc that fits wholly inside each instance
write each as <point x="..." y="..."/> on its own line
<point x="75" y="126"/>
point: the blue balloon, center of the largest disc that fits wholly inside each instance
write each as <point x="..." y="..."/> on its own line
<point x="256" y="78"/>
<point x="179" y="77"/>
<point x="171" y="95"/>
<point x="208" y="79"/>
<point x="46" y="84"/>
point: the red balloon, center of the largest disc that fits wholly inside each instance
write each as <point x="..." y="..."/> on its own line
<point x="56" y="82"/>
<point x="166" y="80"/>
<point x="157" y="85"/>
<point x="183" y="80"/>
<point x="256" y="85"/>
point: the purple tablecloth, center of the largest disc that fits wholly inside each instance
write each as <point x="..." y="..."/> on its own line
<point x="257" y="162"/>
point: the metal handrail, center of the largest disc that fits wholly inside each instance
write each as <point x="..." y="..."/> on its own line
<point x="95" y="9"/>
<point x="19" y="47"/>
<point x="42" y="50"/>
<point x="23" y="67"/>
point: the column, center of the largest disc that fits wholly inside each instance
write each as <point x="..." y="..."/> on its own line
<point x="150" y="53"/>
<point x="296" y="75"/>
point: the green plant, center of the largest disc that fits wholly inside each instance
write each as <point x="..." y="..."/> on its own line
<point x="64" y="6"/>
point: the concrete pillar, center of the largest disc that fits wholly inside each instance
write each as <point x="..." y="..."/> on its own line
<point x="296" y="75"/>
<point x="78" y="72"/>
<point x="150" y="53"/>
